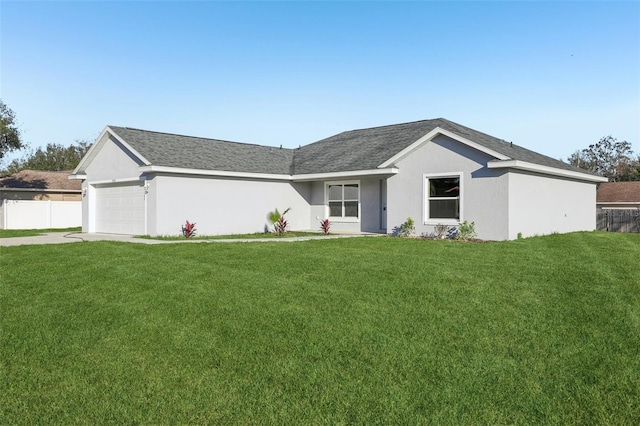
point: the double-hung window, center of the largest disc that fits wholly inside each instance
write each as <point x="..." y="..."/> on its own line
<point x="343" y="199"/>
<point x="442" y="198"/>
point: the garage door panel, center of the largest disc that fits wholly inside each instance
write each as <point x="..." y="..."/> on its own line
<point x="120" y="209"/>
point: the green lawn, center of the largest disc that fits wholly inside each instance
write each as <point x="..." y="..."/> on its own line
<point x="11" y="233"/>
<point x="254" y="236"/>
<point x="347" y="331"/>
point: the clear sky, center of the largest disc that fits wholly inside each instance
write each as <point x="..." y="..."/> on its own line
<point x="550" y="76"/>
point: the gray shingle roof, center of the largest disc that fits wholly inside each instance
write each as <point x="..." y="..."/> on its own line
<point x="363" y="149"/>
<point x="165" y="149"/>
<point x="368" y="148"/>
<point x="512" y="151"/>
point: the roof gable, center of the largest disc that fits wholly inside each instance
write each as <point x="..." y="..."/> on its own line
<point x="362" y="149"/>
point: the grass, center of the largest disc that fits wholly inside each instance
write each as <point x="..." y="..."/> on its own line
<point x="12" y="233"/>
<point x="348" y="331"/>
<point x="254" y="236"/>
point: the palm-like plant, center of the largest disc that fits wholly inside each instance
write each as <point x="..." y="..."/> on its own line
<point x="280" y="224"/>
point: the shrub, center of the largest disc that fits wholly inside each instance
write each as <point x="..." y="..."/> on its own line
<point x="440" y="231"/>
<point x="407" y="228"/>
<point x="280" y="224"/>
<point x="466" y="231"/>
<point x="189" y="229"/>
<point x="324" y="226"/>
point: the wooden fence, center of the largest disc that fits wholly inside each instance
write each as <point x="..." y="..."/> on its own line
<point x="618" y="220"/>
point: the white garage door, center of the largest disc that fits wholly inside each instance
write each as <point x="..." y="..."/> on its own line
<point x="120" y="209"/>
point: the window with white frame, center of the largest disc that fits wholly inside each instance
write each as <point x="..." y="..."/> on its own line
<point x="343" y="199"/>
<point x="442" y="198"/>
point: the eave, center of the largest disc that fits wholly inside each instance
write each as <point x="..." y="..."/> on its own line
<point x="619" y="203"/>
<point x="219" y="173"/>
<point x="342" y="175"/>
<point x="57" y="191"/>
<point x="269" y="176"/>
<point x="546" y="170"/>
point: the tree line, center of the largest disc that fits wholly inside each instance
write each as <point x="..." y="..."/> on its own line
<point x="54" y="157"/>
<point x="608" y="157"/>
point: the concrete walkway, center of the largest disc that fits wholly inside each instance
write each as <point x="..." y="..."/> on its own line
<point x="76" y="237"/>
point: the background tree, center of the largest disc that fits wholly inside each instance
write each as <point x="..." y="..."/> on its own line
<point x="54" y="157"/>
<point x="610" y="158"/>
<point x="630" y="170"/>
<point x="9" y="134"/>
<point x="578" y="159"/>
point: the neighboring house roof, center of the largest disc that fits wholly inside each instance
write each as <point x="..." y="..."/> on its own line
<point x="38" y="179"/>
<point x="355" y="150"/>
<point x="618" y="192"/>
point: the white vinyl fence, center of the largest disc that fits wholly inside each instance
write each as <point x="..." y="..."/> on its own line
<point x="27" y="214"/>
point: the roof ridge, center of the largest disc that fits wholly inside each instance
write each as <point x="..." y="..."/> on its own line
<point x="482" y="133"/>
<point x="346" y="132"/>
<point x="392" y="125"/>
<point x="200" y="137"/>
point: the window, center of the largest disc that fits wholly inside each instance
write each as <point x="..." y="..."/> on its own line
<point x="344" y="200"/>
<point x="442" y="198"/>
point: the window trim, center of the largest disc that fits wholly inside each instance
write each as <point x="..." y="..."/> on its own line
<point x="326" y="201"/>
<point x="425" y="199"/>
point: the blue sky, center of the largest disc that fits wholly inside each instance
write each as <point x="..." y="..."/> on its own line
<point x="551" y="76"/>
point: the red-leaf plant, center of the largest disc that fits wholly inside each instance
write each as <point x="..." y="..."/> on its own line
<point x="324" y="226"/>
<point x="189" y="229"/>
<point x="280" y="224"/>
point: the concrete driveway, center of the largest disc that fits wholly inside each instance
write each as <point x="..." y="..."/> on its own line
<point x="72" y="237"/>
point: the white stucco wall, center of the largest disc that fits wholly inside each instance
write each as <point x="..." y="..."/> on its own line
<point x="540" y="205"/>
<point x="484" y="193"/>
<point x="223" y="206"/>
<point x="317" y="209"/>
<point x="112" y="161"/>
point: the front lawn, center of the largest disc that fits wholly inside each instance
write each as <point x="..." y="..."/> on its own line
<point x="254" y="236"/>
<point x="338" y="331"/>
